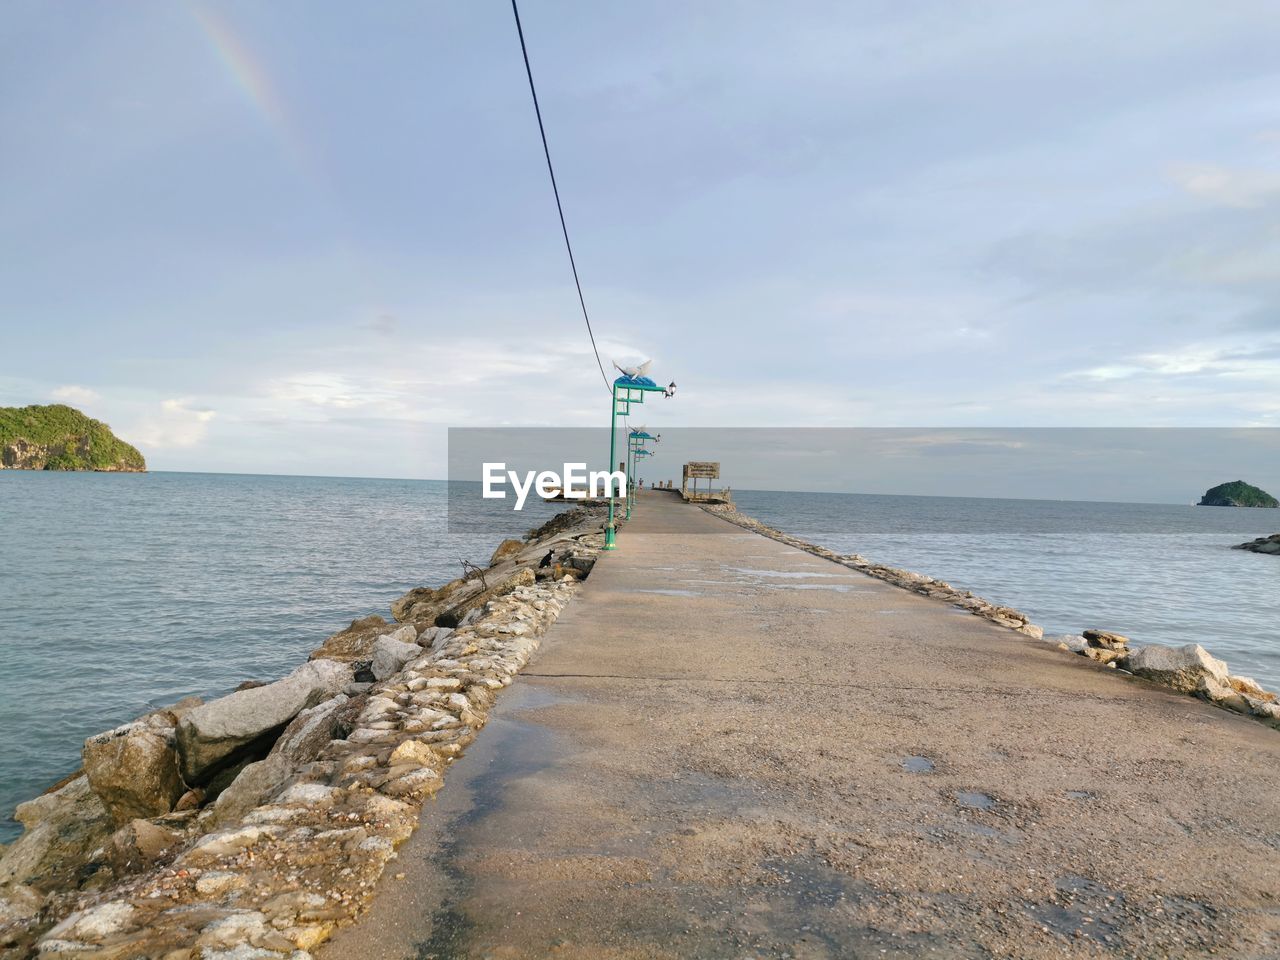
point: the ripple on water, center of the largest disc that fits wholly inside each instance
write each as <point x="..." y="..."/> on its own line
<point x="190" y="583"/>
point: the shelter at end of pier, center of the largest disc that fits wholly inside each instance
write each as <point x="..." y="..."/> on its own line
<point x="707" y="470"/>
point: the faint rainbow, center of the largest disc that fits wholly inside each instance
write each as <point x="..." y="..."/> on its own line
<point x="250" y="77"/>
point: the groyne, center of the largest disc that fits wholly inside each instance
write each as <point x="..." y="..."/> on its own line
<point x="1269" y="544"/>
<point x="1188" y="669"/>
<point x="735" y="747"/>
<point x="720" y="692"/>
<point x="250" y="825"/>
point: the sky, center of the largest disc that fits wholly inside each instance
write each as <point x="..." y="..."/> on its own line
<point x="306" y="237"/>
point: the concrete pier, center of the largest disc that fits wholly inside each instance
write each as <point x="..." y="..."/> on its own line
<point x="730" y="748"/>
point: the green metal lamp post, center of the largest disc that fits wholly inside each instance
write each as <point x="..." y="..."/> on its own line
<point x="635" y="449"/>
<point x="627" y="390"/>
<point x="635" y="464"/>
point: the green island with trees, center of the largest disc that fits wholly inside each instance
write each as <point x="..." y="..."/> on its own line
<point x="1237" y="493"/>
<point x="59" y="437"/>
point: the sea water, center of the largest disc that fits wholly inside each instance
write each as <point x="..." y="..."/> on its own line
<point x="1158" y="573"/>
<point x="120" y="593"/>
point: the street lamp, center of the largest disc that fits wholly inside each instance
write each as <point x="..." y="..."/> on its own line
<point x="636" y="449"/>
<point x="640" y="452"/>
<point x="628" y="389"/>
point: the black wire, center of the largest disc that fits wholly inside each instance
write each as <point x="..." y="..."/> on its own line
<point x="556" y="190"/>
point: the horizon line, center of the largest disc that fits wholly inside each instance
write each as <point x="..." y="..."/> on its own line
<point x="836" y="493"/>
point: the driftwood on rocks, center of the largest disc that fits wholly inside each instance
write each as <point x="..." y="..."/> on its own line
<point x="454" y="615"/>
<point x="424" y="604"/>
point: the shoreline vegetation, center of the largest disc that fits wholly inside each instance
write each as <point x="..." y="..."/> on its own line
<point x="59" y="437"/>
<point x="255" y="823"/>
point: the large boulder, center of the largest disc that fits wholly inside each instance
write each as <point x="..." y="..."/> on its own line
<point x="1106" y="640"/>
<point x="255" y="784"/>
<point x="454" y="615"/>
<point x="1251" y="687"/>
<point x="218" y="733"/>
<point x="1269" y="544"/>
<point x="63" y="830"/>
<point x="434" y="637"/>
<point x="390" y="655"/>
<point x="313" y="729"/>
<point x="1181" y="668"/>
<point x="94" y="923"/>
<point x="353" y="643"/>
<point x="506" y="550"/>
<point x="586" y="518"/>
<point x="134" y="769"/>
<point x="18" y="903"/>
<point x="226" y="774"/>
<point x="584" y="563"/>
<point x="140" y="844"/>
<point x="424" y="604"/>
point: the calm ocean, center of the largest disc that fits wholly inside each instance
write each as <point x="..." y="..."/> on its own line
<point x="120" y="593"/>
<point x="1159" y="573"/>
<point x="124" y="592"/>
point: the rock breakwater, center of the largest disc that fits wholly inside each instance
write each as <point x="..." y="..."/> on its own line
<point x="1188" y="669"/>
<point x="1269" y="544"/>
<point x="906" y="579"/>
<point x="251" y="825"/>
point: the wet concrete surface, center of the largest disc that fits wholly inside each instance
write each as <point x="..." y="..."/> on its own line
<point x="734" y="768"/>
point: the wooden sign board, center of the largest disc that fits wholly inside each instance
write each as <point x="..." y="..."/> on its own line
<point x="704" y="469"/>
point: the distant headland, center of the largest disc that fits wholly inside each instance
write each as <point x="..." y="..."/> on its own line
<point x="1237" y="493"/>
<point x="58" y="437"/>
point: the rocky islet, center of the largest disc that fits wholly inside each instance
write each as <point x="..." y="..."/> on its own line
<point x="1269" y="545"/>
<point x="1237" y="493"/>
<point x="59" y="437"/>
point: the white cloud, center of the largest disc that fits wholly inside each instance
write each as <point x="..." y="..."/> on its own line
<point x="71" y="393"/>
<point x="1252" y="362"/>
<point x="464" y="380"/>
<point x="1241" y="188"/>
<point x="323" y="389"/>
<point x="176" y="424"/>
